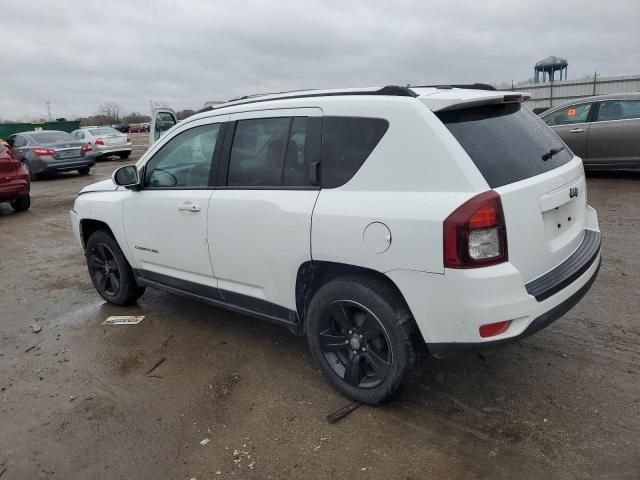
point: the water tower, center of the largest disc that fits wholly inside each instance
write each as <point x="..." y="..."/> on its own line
<point x="548" y="66"/>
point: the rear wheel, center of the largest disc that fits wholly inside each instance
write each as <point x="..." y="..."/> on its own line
<point x="110" y="272"/>
<point x="125" y="155"/>
<point x="84" y="170"/>
<point x="363" y="336"/>
<point x="21" y="203"/>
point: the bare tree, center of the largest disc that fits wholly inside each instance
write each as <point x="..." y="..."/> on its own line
<point x="111" y="111"/>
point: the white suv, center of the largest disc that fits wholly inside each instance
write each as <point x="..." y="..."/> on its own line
<point x="372" y="220"/>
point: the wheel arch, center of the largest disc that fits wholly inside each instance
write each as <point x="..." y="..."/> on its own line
<point x="88" y="226"/>
<point x="314" y="274"/>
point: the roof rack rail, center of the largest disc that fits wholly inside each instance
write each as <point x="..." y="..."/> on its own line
<point x="469" y="86"/>
<point x="389" y="90"/>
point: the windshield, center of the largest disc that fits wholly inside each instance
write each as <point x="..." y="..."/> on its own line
<point x="507" y="142"/>
<point x="104" y="131"/>
<point x="52" y="137"/>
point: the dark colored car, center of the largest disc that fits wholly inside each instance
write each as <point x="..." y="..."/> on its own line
<point x="604" y="130"/>
<point x="52" y="151"/>
<point x="121" y="127"/>
<point x="14" y="181"/>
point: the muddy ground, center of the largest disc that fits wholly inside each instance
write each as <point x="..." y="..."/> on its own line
<point x="75" y="402"/>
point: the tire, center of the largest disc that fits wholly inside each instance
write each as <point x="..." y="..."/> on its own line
<point x="383" y="333"/>
<point x="21" y="203"/>
<point x="84" y="170"/>
<point x="105" y="262"/>
<point x="124" y="156"/>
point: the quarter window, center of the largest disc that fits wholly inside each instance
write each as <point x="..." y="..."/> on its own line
<point x="569" y="115"/>
<point x="185" y="161"/>
<point x="346" y="144"/>
<point x="20" y="141"/>
<point x="619" y="110"/>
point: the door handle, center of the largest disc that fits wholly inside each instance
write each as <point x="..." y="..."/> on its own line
<point x="577" y="130"/>
<point x="189" y="207"/>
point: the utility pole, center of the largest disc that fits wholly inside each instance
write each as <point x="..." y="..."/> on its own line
<point x="49" y="116"/>
<point x="595" y="75"/>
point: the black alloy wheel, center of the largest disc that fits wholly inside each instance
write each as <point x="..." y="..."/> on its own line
<point x="104" y="270"/>
<point x="355" y="344"/>
<point x="362" y="334"/>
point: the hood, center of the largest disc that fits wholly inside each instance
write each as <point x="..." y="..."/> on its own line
<point x="103" y="186"/>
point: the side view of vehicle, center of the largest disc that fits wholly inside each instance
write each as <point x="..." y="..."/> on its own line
<point x="374" y="221"/>
<point x="15" y="185"/>
<point x="105" y="141"/>
<point x="604" y="130"/>
<point x="51" y="151"/>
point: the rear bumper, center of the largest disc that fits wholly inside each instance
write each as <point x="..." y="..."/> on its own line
<point x="449" y="309"/>
<point x="11" y="191"/>
<point x="111" y="149"/>
<point x="447" y="349"/>
<point x="52" y="165"/>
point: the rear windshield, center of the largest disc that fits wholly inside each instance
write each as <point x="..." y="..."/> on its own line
<point x="52" y="137"/>
<point x="507" y="142"/>
<point x="103" y="131"/>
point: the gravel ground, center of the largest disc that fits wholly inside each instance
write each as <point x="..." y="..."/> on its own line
<point x="75" y="401"/>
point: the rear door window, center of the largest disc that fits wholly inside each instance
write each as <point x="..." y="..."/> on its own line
<point x="569" y="115"/>
<point x="507" y="142"/>
<point x="346" y="143"/>
<point x="257" y="153"/>
<point x="619" y="110"/>
<point x="274" y="152"/>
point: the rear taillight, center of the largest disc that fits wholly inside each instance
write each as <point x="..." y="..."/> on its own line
<point x="475" y="234"/>
<point x="87" y="148"/>
<point x="41" y="152"/>
<point x="99" y="141"/>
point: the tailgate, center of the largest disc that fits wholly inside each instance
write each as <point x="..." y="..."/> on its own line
<point x="540" y="181"/>
<point x="545" y="217"/>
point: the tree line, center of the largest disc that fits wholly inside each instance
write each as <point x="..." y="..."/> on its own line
<point x="110" y="113"/>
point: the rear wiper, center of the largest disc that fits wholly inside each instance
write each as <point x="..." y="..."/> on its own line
<point x="551" y="153"/>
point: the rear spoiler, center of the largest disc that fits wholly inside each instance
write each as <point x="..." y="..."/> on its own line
<point x="452" y="100"/>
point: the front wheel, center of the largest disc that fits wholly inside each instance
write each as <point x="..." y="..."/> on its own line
<point x="362" y="335"/>
<point x="110" y="272"/>
<point x="21" y="204"/>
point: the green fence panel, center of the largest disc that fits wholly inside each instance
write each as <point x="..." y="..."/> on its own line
<point x="8" y="129"/>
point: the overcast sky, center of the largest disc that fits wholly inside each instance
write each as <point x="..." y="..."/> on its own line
<point x="80" y="53"/>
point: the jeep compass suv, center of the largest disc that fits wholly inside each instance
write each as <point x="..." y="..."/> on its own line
<point x="370" y="220"/>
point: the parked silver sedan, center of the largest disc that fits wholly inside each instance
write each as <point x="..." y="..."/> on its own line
<point x="105" y="141"/>
<point x="604" y="130"/>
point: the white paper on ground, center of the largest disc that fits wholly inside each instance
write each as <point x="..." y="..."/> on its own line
<point x="123" y="320"/>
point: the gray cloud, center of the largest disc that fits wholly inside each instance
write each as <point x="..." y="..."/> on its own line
<point x="78" y="54"/>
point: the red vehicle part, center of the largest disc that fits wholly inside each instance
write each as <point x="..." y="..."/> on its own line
<point x="14" y="177"/>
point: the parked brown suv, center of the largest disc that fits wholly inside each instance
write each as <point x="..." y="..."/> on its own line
<point x="603" y="130"/>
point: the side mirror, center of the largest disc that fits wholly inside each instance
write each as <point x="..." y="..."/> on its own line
<point x="126" y="176"/>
